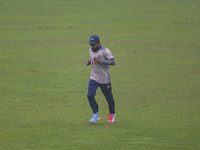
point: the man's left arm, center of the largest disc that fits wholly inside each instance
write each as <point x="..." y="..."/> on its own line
<point x="103" y="61"/>
<point x="108" y="62"/>
<point x="108" y="58"/>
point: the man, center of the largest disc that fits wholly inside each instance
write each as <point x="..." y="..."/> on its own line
<point x="100" y="59"/>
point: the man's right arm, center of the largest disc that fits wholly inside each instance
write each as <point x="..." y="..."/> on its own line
<point x="88" y="63"/>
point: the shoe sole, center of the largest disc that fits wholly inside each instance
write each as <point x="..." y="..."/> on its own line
<point x="96" y="120"/>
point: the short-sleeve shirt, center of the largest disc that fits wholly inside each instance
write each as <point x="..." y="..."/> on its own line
<point x="100" y="72"/>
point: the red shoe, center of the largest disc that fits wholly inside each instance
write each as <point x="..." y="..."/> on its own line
<point x="111" y="118"/>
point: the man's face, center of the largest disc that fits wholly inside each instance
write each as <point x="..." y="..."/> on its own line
<point x="95" y="46"/>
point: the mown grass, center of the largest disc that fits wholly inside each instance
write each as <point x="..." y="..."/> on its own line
<point x="43" y="77"/>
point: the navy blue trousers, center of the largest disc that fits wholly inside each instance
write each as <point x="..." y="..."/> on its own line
<point x="107" y="92"/>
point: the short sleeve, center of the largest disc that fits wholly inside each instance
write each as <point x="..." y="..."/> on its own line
<point x="108" y="55"/>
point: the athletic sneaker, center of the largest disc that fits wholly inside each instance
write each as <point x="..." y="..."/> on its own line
<point x="111" y="118"/>
<point x="95" y="117"/>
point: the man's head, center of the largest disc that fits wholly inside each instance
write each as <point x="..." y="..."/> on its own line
<point x="94" y="43"/>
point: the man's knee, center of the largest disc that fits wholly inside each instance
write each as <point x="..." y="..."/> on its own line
<point x="90" y="96"/>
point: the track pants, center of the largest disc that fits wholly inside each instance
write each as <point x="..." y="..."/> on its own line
<point x="106" y="90"/>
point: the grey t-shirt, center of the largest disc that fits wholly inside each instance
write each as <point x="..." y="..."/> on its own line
<point x="100" y="72"/>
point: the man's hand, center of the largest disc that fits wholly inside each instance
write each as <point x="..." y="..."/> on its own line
<point x="97" y="60"/>
<point x="88" y="63"/>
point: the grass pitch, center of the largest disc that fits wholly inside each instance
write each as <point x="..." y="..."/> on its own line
<point x="43" y="77"/>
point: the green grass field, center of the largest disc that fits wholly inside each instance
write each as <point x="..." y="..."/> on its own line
<point x="43" y="77"/>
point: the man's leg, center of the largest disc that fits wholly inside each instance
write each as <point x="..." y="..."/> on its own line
<point x="107" y="91"/>
<point x="92" y="87"/>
